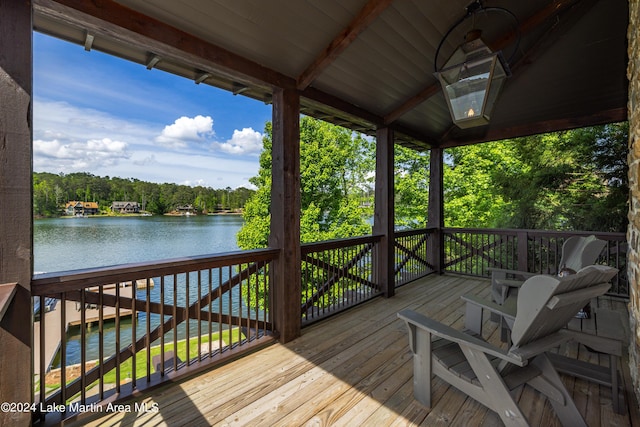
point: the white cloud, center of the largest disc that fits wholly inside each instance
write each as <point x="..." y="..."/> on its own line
<point x="149" y="160"/>
<point x="245" y="141"/>
<point x="80" y="155"/>
<point x="186" y="129"/>
<point x="67" y="123"/>
<point x="70" y="139"/>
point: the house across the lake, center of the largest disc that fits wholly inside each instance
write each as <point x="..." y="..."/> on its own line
<point x="186" y="210"/>
<point x="81" y="208"/>
<point x="125" y="207"/>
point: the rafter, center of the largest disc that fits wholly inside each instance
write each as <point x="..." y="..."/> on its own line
<point x="88" y="41"/>
<point x="367" y="14"/>
<point x="530" y="24"/>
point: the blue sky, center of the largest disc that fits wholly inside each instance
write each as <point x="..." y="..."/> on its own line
<point x="99" y="114"/>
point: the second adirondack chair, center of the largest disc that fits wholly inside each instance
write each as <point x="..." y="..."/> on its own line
<point x="488" y="373"/>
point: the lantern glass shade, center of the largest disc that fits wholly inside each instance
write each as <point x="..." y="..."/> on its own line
<point x="472" y="79"/>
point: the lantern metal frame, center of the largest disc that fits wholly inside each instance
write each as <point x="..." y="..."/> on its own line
<point x="473" y="74"/>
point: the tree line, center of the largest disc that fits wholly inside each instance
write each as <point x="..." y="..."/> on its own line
<point x="52" y="191"/>
<point x="569" y="180"/>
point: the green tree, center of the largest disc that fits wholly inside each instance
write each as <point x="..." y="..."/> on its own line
<point x="471" y="198"/>
<point x="411" y="187"/>
<point x="574" y="180"/>
<point x="52" y="191"/>
<point x="334" y="171"/>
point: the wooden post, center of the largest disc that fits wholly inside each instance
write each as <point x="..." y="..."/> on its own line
<point x="523" y="250"/>
<point x="16" y="254"/>
<point x="285" y="214"/>
<point x="435" y="216"/>
<point x="383" y="219"/>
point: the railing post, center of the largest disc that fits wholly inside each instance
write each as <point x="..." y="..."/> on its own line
<point x="16" y="254"/>
<point x="523" y="250"/>
<point x="285" y="214"/>
<point x="435" y="248"/>
<point x="435" y="216"/>
<point x="383" y="219"/>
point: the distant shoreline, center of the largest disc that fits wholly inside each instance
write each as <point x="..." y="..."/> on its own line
<point x="138" y="215"/>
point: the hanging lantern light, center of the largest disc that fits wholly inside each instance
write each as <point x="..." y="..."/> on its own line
<point x="473" y="76"/>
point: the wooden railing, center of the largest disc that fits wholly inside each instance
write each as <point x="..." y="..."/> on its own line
<point x="473" y="251"/>
<point x="412" y="255"/>
<point x="129" y="327"/>
<point x="336" y="275"/>
<point x="125" y="328"/>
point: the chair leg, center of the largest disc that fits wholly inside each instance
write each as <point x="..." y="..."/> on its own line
<point x="560" y="398"/>
<point x="496" y="394"/>
<point x="421" y="348"/>
<point x="473" y="318"/>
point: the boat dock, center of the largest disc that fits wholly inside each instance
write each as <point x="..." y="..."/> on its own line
<point x="73" y="317"/>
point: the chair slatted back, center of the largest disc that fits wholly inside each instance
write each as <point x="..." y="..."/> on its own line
<point x="579" y="252"/>
<point x="547" y="303"/>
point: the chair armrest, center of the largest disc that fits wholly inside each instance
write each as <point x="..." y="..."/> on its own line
<point x="506" y="310"/>
<point x="420" y="321"/>
<point x="542" y="345"/>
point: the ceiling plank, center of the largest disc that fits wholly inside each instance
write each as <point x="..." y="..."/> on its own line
<point x="367" y="14"/>
<point x="530" y="24"/>
<point x="601" y="118"/>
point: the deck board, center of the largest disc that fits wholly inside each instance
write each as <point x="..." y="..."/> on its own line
<point x="354" y="369"/>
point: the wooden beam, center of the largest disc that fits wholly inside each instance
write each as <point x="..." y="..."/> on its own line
<point x="530" y="24"/>
<point x="383" y="218"/>
<point x="411" y="103"/>
<point x="603" y="117"/>
<point x="117" y="22"/>
<point x="313" y="97"/>
<point x="435" y="214"/>
<point x="367" y="14"/>
<point x="16" y="251"/>
<point x="285" y="215"/>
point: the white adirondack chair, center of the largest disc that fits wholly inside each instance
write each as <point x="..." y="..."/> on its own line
<point x="487" y="373"/>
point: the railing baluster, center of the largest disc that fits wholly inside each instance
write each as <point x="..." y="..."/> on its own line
<point x="118" y="362"/>
<point x="210" y="303"/>
<point x="162" y="302"/>
<point x="43" y="369"/>
<point x="174" y="323"/>
<point x="187" y="331"/>
<point x="199" y="317"/>
<point x="83" y="347"/>
<point x="148" y="325"/>
<point x="134" y="319"/>
<point x="63" y="349"/>
<point x="101" y="339"/>
<point x="220" y="310"/>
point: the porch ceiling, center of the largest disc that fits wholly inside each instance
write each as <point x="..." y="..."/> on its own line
<point x="367" y="63"/>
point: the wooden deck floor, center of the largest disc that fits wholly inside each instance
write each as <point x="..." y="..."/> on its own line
<point x="353" y="369"/>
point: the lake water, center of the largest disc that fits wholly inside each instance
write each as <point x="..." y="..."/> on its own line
<point x="64" y="244"/>
<point x="74" y="243"/>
